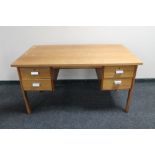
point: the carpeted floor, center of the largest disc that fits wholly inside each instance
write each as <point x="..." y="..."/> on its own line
<point x="78" y="104"/>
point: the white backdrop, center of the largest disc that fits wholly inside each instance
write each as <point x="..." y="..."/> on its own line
<point x="16" y="40"/>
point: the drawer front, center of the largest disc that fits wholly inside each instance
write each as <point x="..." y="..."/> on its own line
<point x="35" y="73"/>
<point x="37" y="84"/>
<point x="118" y="71"/>
<point x="116" y="84"/>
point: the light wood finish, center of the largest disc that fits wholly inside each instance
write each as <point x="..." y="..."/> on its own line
<point x="43" y="73"/>
<point x="108" y="84"/>
<point x="130" y="92"/>
<point x="48" y="59"/>
<point x="76" y="56"/>
<point x="24" y="93"/>
<point x="43" y="85"/>
<point x="110" y="71"/>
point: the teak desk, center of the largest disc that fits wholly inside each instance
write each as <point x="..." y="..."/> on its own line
<point x="115" y="66"/>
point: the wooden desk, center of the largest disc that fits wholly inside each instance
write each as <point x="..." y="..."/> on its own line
<point x="115" y="66"/>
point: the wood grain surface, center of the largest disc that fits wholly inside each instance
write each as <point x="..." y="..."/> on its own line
<point x="76" y="56"/>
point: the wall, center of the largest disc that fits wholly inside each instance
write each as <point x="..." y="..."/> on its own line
<point x="15" y="40"/>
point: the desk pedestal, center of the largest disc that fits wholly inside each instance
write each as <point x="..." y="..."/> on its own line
<point x="44" y="78"/>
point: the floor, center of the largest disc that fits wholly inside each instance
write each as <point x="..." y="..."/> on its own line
<point x="78" y="105"/>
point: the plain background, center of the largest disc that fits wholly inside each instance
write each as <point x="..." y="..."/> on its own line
<point x="15" y="40"/>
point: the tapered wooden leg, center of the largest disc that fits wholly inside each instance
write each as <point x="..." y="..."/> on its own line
<point x="130" y="92"/>
<point x="26" y="101"/>
<point x="24" y="93"/>
<point x="128" y="103"/>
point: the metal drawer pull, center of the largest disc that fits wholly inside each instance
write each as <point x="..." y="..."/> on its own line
<point x="34" y="73"/>
<point x="35" y="84"/>
<point x="117" y="82"/>
<point x="119" y="71"/>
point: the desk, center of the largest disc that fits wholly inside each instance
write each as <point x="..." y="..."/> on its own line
<point x="38" y="67"/>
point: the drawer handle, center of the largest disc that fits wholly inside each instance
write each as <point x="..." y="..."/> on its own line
<point x="117" y="82"/>
<point x="119" y="71"/>
<point x="34" y="73"/>
<point x="35" y="84"/>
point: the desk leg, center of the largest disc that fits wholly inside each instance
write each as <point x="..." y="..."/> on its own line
<point x="128" y="103"/>
<point x="26" y="101"/>
<point x="24" y="93"/>
<point x="130" y="92"/>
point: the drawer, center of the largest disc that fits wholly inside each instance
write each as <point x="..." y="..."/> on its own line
<point x="116" y="84"/>
<point x="35" y="73"/>
<point x="37" y="84"/>
<point x="118" y="71"/>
